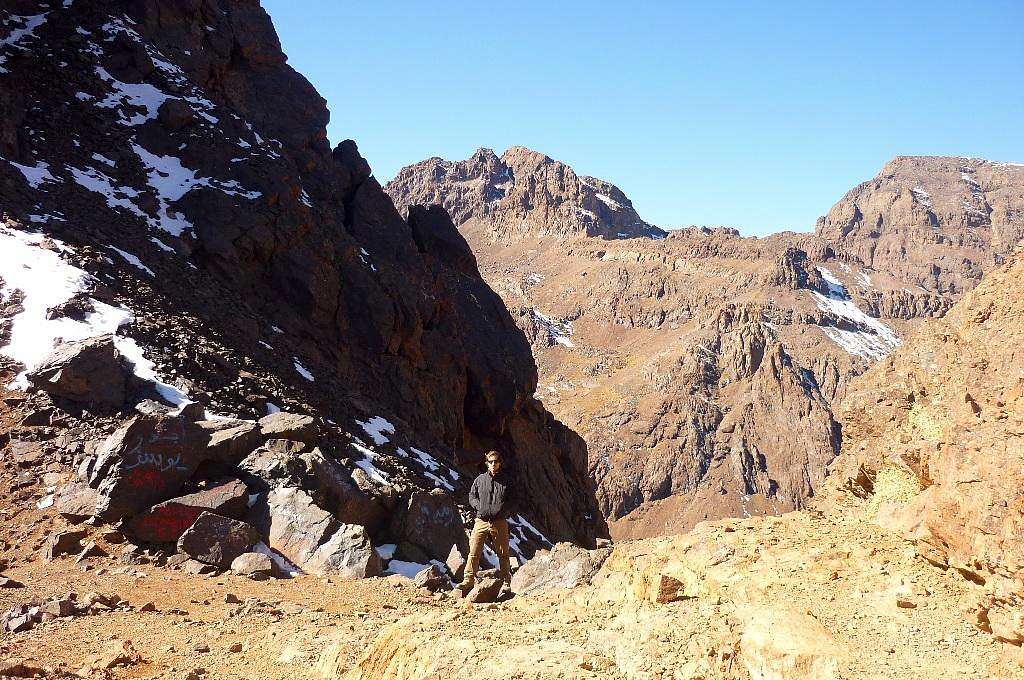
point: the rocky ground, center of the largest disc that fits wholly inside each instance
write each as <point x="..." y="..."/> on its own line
<point x="804" y="595"/>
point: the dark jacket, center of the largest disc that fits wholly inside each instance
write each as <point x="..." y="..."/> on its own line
<point x="493" y="497"/>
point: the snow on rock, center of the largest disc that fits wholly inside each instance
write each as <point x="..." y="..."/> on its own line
<point x="922" y="196"/>
<point x="386" y="550"/>
<point x="146" y="369"/>
<point x="23" y="27"/>
<point x="161" y="245"/>
<point x="171" y="180"/>
<point x="302" y="370"/>
<point x="46" y="281"/>
<point x="610" y="202"/>
<point x="368" y="465"/>
<point x="279" y="560"/>
<point x="133" y="260"/>
<point x="558" y="331"/>
<point x="406" y="569"/>
<point x="131" y="96"/>
<point x="117" y="196"/>
<point x="870" y="338"/>
<point x="375" y="427"/>
<point x="35" y="174"/>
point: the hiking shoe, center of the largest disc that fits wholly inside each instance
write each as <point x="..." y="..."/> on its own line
<point x="466" y="585"/>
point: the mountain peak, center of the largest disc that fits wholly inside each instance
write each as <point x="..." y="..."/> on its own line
<point x="522" y="194"/>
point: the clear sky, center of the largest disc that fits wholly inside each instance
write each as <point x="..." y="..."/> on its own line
<point x="758" y="115"/>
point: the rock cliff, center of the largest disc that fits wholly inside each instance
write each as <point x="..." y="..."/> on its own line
<point x="166" y="182"/>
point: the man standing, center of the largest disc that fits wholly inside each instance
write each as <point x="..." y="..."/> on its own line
<point x="492" y="496"/>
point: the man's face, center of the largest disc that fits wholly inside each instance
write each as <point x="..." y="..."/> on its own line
<point x="493" y="464"/>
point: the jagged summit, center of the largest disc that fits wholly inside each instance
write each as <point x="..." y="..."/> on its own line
<point x="522" y="193"/>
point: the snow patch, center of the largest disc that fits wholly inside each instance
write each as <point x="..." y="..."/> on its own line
<point x="558" y="331"/>
<point x="26" y="29"/>
<point x="133" y="260"/>
<point x="610" y="202"/>
<point x="871" y="338"/>
<point x="35" y="174"/>
<point x="46" y="281"/>
<point x="302" y="370"/>
<point x="386" y="550"/>
<point x="406" y="569"/>
<point x="133" y="96"/>
<point x="375" y="427"/>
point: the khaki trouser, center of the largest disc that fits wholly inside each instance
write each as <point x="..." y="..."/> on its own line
<point x="496" y="531"/>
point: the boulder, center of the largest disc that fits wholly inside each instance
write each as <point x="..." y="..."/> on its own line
<point x="63" y="543"/>
<point x="788" y="644"/>
<point x="564" y="566"/>
<point x="76" y="502"/>
<point x="312" y="538"/>
<point x="431" y="520"/>
<point x="456" y="563"/>
<point x="144" y="462"/>
<point x="165" y="522"/>
<point x="256" y="566"/>
<point x="293" y="426"/>
<point x="217" y="540"/>
<point x="26" y="453"/>
<point x="486" y="590"/>
<point x="276" y="463"/>
<point x="432" y="579"/>
<point x="334" y="483"/>
<point x="89" y="372"/>
<point x="175" y="114"/>
<point x="231" y="440"/>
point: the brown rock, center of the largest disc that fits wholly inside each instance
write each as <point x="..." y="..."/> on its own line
<point x="293" y="426"/>
<point x="256" y="566"/>
<point x="217" y="540"/>
<point x="165" y="522"/>
<point x="63" y="543"/>
<point x="88" y="371"/>
<point x="486" y="590"/>
<point x="564" y="566"/>
<point x="76" y="502"/>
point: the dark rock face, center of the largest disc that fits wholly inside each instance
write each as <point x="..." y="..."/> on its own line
<point x="88" y="371"/>
<point x="217" y="540"/>
<point x="564" y="566"/>
<point x="431" y="521"/>
<point x="146" y="461"/>
<point x="276" y="271"/>
<point x="166" y="522"/>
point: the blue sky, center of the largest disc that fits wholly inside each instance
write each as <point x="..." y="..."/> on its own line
<point x="753" y="115"/>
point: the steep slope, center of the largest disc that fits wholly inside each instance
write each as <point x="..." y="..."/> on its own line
<point x="521" y="194"/>
<point x="936" y="434"/>
<point x="933" y="221"/>
<point x="169" y="164"/>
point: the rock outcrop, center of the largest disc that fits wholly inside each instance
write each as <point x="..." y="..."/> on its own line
<point x="935" y="437"/>
<point x="523" y="193"/>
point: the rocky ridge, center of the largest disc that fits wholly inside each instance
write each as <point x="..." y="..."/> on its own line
<point x="200" y="293"/>
<point x="704" y="377"/>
